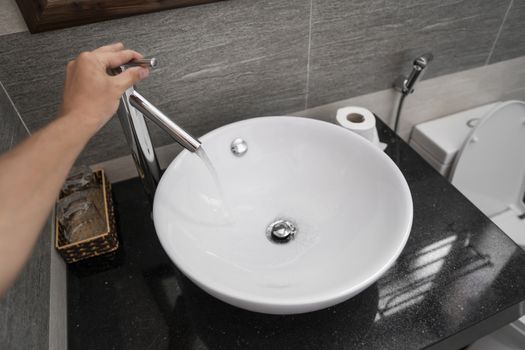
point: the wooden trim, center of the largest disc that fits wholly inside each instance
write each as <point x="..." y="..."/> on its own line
<point x="43" y="15"/>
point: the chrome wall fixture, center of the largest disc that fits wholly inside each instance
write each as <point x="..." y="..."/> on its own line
<point x="405" y="84"/>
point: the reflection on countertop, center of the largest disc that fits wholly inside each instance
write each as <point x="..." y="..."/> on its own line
<point x="458" y="278"/>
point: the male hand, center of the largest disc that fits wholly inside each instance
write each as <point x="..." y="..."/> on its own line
<point x="91" y="95"/>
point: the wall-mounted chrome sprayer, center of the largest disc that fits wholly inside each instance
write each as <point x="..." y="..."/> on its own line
<point x="132" y="109"/>
<point x="405" y="84"/>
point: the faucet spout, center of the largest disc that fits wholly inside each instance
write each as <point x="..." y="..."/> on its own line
<point x="155" y="115"/>
<point x="132" y="109"/>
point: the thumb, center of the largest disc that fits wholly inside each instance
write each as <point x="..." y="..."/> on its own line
<point x="131" y="76"/>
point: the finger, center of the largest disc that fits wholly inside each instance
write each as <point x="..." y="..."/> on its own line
<point x="69" y="67"/>
<point x="131" y="76"/>
<point x="110" y="48"/>
<point x="69" y="72"/>
<point x="115" y="59"/>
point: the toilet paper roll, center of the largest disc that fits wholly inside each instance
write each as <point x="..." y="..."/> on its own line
<point x="359" y="120"/>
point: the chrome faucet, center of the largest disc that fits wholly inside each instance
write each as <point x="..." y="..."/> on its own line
<point x="405" y="84"/>
<point x="132" y="109"/>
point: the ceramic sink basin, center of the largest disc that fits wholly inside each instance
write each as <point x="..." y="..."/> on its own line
<point x="349" y="203"/>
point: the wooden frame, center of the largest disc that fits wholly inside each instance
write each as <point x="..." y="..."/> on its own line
<point x="43" y="15"/>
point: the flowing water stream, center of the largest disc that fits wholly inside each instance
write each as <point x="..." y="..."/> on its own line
<point x="225" y="210"/>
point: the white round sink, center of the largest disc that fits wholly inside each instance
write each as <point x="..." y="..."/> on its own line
<point x="349" y="204"/>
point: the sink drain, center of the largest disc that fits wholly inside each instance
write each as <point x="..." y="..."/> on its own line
<point x="239" y="147"/>
<point x="281" y="231"/>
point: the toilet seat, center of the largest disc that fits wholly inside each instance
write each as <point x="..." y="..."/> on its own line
<point x="490" y="168"/>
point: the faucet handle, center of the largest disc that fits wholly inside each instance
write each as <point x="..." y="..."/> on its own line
<point x="150" y="63"/>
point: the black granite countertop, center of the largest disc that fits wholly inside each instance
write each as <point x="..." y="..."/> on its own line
<point x="458" y="278"/>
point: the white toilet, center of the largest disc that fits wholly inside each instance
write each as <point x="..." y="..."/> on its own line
<point x="482" y="152"/>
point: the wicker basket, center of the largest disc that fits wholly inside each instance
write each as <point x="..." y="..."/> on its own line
<point x="103" y="243"/>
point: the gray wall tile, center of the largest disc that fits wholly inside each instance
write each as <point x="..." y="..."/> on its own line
<point x="24" y="310"/>
<point x="12" y="131"/>
<point x="510" y="43"/>
<point x="361" y="46"/>
<point x="218" y="63"/>
<point x="237" y="59"/>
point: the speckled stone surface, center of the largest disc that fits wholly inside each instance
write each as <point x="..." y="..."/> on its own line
<point x="458" y="278"/>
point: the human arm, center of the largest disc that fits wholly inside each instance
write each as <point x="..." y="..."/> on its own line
<point x="32" y="174"/>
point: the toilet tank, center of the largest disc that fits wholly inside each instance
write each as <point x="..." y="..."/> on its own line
<point x="438" y="141"/>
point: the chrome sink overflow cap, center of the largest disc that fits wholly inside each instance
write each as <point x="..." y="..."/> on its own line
<point x="281" y="231"/>
<point x="239" y="147"/>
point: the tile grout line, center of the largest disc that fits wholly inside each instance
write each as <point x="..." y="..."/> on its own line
<point x="308" y="60"/>
<point x="489" y="57"/>
<point x="16" y="109"/>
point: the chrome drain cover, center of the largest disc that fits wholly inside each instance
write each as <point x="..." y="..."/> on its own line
<point x="281" y="231"/>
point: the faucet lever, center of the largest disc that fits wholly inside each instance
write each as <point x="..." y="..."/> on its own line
<point x="151" y="63"/>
